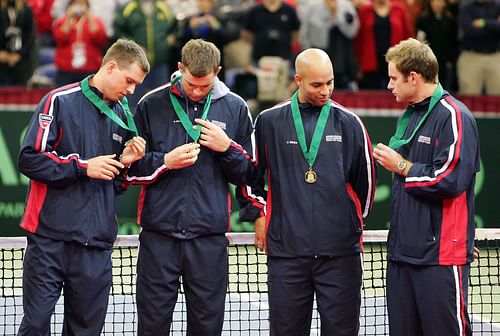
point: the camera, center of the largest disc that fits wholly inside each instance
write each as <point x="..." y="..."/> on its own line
<point x="78" y="10"/>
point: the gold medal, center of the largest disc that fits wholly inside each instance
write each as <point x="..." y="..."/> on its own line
<point x="310" y="176"/>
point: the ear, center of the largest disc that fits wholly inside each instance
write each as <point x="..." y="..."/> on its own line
<point x="219" y="68"/>
<point x="111" y="65"/>
<point x="413" y="77"/>
<point x="180" y="66"/>
<point x="297" y="78"/>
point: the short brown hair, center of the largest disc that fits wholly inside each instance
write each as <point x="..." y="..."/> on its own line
<point x="412" y="55"/>
<point x="126" y="52"/>
<point x="200" y="57"/>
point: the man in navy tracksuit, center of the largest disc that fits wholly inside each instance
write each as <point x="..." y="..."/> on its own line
<point x="74" y="152"/>
<point x="434" y="156"/>
<point x="321" y="184"/>
<point x="199" y="137"/>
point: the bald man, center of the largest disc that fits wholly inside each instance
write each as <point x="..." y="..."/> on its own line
<point x="321" y="182"/>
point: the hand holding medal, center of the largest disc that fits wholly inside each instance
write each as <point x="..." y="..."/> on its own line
<point x="182" y="156"/>
<point x="134" y="150"/>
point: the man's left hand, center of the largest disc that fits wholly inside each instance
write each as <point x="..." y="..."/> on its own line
<point x="212" y="136"/>
<point x="134" y="150"/>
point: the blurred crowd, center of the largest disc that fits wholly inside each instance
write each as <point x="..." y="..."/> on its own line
<point x="56" y="42"/>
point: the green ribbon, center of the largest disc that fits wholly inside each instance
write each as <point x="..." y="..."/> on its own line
<point x="397" y="140"/>
<point x="104" y="108"/>
<point x="193" y="131"/>
<point x="310" y="154"/>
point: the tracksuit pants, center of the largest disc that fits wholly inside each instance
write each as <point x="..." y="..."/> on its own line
<point x="293" y="283"/>
<point x="427" y="300"/>
<point x="83" y="272"/>
<point x="203" y="264"/>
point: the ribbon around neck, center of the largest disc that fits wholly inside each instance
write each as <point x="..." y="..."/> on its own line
<point x="194" y="131"/>
<point x="311" y="153"/>
<point x="397" y="140"/>
<point x="104" y="108"/>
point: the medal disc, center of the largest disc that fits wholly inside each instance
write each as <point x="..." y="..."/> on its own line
<point x="310" y="176"/>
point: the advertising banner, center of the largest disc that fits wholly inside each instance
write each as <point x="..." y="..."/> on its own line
<point x="381" y="127"/>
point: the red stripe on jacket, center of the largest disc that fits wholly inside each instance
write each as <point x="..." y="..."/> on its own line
<point x="34" y="205"/>
<point x="457" y="150"/>
<point x="48" y="102"/>
<point x="453" y="244"/>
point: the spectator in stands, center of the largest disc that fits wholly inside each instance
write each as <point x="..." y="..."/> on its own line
<point x="383" y="24"/>
<point x="152" y="25"/>
<point x="331" y="25"/>
<point x="479" y="62"/>
<point x="184" y="8"/>
<point x="43" y="19"/>
<point x="439" y="29"/>
<point x="104" y="9"/>
<point x="434" y="156"/>
<point x="186" y="174"/>
<point x="321" y="184"/>
<point x="271" y="27"/>
<point x="205" y="25"/>
<point x="17" y="40"/>
<point x="80" y="139"/>
<point x="80" y="37"/>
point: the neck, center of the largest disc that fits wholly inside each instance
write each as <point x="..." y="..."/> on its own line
<point x="273" y="6"/>
<point x="97" y="82"/>
<point x="426" y="91"/>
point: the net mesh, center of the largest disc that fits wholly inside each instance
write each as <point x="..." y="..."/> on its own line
<point x="247" y="310"/>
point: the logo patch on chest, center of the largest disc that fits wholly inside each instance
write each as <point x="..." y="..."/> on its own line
<point x="333" y="138"/>
<point x="118" y="138"/>
<point x="424" y="139"/>
<point x="219" y="123"/>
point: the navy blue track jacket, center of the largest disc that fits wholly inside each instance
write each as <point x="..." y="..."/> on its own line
<point x="192" y="201"/>
<point x="63" y="203"/>
<point x="432" y="221"/>
<point x="324" y="218"/>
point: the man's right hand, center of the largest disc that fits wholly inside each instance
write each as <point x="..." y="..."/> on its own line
<point x="182" y="156"/>
<point x="260" y="234"/>
<point x="104" y="167"/>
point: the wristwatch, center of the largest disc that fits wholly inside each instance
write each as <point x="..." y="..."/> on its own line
<point x="401" y="165"/>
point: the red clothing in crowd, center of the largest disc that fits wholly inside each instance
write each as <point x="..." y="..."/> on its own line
<point x="92" y="41"/>
<point x="365" y="41"/>
<point x="43" y="18"/>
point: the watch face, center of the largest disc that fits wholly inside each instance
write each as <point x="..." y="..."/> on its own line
<point x="401" y="165"/>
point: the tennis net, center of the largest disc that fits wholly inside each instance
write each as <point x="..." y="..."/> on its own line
<point x="247" y="310"/>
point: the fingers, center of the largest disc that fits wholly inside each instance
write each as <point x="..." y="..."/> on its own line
<point x="138" y="145"/>
<point x="203" y="123"/>
<point x="212" y="136"/>
<point x="191" y="156"/>
<point x="182" y="156"/>
<point x="104" y="167"/>
<point x="260" y="245"/>
<point x="260" y="234"/>
<point x="477" y="253"/>
<point x="188" y="153"/>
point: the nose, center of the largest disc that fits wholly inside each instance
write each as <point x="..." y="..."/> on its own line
<point x="197" y="91"/>
<point x="325" y="90"/>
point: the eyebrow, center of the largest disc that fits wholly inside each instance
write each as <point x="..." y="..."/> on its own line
<point x="204" y="85"/>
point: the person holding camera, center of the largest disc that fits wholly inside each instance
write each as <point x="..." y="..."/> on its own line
<point x="80" y="37"/>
